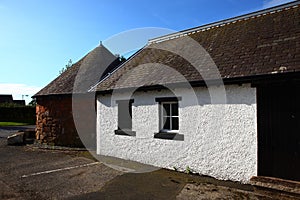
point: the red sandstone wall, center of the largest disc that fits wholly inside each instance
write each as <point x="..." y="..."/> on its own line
<point x="55" y="124"/>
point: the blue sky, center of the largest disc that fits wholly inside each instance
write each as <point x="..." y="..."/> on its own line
<point x="37" y="38"/>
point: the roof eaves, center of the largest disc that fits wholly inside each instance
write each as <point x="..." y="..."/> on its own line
<point x="253" y="79"/>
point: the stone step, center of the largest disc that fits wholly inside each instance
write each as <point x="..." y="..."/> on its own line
<point x="16" y="139"/>
<point x="22" y="137"/>
<point x="281" y="188"/>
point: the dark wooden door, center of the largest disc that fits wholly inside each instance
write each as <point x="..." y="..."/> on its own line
<point x="279" y="131"/>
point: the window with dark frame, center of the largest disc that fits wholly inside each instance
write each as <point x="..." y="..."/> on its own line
<point x="125" y="118"/>
<point x="168" y="118"/>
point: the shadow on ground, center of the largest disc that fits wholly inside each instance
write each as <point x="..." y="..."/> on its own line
<point x="98" y="181"/>
<point x="166" y="184"/>
<point x="161" y="184"/>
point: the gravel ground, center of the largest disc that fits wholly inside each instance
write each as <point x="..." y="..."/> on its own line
<point x="203" y="191"/>
<point x="76" y="175"/>
<point x="18" y="161"/>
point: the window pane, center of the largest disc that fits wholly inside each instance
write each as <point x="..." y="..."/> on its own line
<point x="166" y="109"/>
<point x="175" y="123"/>
<point x="174" y="109"/>
<point x="166" y="123"/>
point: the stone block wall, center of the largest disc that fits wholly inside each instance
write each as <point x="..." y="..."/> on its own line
<point x="55" y="123"/>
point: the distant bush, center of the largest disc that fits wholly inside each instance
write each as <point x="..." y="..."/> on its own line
<point x="10" y="105"/>
<point x="10" y="112"/>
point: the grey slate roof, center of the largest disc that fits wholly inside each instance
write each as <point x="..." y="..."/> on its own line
<point x="83" y="74"/>
<point x="261" y="43"/>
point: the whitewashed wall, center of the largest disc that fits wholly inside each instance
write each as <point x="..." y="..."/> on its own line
<point x="220" y="140"/>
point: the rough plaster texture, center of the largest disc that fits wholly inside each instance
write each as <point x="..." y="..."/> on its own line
<point x="220" y="139"/>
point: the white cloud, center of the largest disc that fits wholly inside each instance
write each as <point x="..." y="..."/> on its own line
<point x="268" y="4"/>
<point x="19" y="91"/>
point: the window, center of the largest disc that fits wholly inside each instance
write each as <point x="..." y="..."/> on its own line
<point x="125" y="118"/>
<point x="168" y="118"/>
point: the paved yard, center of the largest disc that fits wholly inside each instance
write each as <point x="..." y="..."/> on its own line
<point x="31" y="173"/>
<point x="27" y="173"/>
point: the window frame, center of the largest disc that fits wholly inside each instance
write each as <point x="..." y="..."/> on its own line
<point x="162" y="116"/>
<point x="163" y="133"/>
<point x="126" y="131"/>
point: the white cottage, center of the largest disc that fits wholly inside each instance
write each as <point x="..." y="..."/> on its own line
<point x="220" y="99"/>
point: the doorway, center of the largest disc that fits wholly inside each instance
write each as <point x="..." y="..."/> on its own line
<point x="278" y="108"/>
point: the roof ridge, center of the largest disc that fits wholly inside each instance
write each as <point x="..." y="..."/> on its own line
<point x="92" y="89"/>
<point x="224" y="22"/>
<point x="67" y="78"/>
<point x="104" y="48"/>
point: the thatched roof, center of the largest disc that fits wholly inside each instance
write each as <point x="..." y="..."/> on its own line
<point x="261" y="43"/>
<point x="83" y="74"/>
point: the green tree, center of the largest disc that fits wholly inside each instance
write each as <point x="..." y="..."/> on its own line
<point x="32" y="102"/>
<point x="122" y="58"/>
<point x="67" y="66"/>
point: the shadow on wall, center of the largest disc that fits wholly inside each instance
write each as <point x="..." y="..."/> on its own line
<point x="235" y="94"/>
<point x="55" y="121"/>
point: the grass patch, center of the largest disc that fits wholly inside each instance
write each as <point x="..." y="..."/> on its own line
<point x="13" y="124"/>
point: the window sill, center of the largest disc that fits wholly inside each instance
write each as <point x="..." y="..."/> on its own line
<point x="125" y="132"/>
<point x="169" y="136"/>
